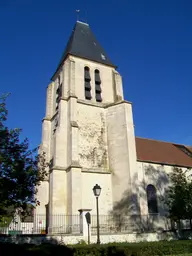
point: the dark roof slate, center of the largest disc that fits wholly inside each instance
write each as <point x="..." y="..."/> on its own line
<point x="82" y="43"/>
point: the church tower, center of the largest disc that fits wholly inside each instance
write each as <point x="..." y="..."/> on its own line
<point x="87" y="132"/>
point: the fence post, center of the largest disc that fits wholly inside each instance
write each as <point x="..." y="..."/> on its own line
<point x="84" y="226"/>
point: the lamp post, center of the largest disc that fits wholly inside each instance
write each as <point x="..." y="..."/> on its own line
<point x="97" y="191"/>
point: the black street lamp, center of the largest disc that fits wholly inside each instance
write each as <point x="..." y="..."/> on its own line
<point x="97" y="192"/>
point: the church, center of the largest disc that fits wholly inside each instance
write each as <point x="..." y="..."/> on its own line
<point x="88" y="137"/>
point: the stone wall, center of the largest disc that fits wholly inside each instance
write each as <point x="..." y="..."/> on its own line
<point x="122" y="155"/>
<point x="89" y="179"/>
<point x="60" y="239"/>
<point x="92" y="137"/>
<point x="158" y="176"/>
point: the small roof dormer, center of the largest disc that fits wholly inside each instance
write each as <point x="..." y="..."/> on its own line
<point x="83" y="44"/>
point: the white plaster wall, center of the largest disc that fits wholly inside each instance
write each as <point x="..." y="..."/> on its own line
<point x="92" y="136"/>
<point x="88" y="199"/>
<point x="157" y="175"/>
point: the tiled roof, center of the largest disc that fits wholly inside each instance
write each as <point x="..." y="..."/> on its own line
<point x="163" y="152"/>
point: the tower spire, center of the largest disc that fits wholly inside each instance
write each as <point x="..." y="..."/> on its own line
<point x="77" y="12"/>
<point x="83" y="44"/>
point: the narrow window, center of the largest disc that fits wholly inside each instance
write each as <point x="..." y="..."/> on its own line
<point x="87" y="81"/>
<point x="152" y="199"/>
<point x="98" y="86"/>
<point x="58" y="93"/>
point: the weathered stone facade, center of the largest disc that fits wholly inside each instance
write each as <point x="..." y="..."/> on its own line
<point x="89" y="142"/>
<point x="92" y="137"/>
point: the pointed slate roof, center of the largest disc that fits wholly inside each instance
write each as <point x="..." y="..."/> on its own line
<point x="82" y="43"/>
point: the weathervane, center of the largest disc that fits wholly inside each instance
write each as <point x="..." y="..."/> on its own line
<point x="77" y="11"/>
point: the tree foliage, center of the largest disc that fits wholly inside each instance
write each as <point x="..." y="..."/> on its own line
<point x="21" y="169"/>
<point x="179" y="195"/>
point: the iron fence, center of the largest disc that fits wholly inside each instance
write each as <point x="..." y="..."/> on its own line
<point x="72" y="224"/>
<point x="64" y="224"/>
<point x="130" y="224"/>
<point x="41" y="224"/>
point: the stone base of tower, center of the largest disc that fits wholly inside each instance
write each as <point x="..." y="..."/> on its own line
<point x="57" y="199"/>
<point x="64" y="200"/>
<point x="122" y="158"/>
<point x="43" y="198"/>
<point x="74" y="190"/>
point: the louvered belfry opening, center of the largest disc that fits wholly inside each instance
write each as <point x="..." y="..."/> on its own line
<point x="98" y="86"/>
<point x="87" y="79"/>
<point x="58" y="93"/>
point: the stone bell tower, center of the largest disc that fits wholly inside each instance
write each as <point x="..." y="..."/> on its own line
<point x="88" y="132"/>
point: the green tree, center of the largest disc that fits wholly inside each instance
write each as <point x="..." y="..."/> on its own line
<point x="179" y="194"/>
<point x="21" y="169"/>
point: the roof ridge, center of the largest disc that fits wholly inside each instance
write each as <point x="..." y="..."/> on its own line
<point x="169" y="142"/>
<point x="82" y="22"/>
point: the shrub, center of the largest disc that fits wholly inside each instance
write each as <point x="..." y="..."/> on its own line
<point x="136" y="249"/>
<point x="121" y="249"/>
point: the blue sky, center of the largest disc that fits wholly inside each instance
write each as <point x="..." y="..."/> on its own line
<point x="150" y="42"/>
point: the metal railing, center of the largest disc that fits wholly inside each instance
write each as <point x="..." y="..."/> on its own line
<point x="40" y="224"/>
<point x="130" y="223"/>
<point x="64" y="224"/>
<point x="71" y="224"/>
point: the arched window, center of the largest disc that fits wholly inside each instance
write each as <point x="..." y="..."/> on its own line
<point x="87" y="80"/>
<point x="98" y="86"/>
<point x="152" y="199"/>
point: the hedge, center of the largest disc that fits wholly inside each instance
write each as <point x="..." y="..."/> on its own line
<point x="136" y="249"/>
<point x="133" y="249"/>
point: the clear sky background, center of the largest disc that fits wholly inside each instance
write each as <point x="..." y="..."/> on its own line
<point x="150" y="42"/>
